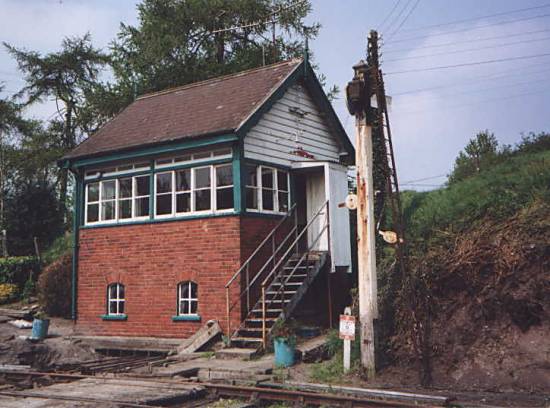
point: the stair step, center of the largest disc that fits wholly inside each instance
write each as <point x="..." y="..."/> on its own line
<point x="276" y="292"/>
<point x="287" y="284"/>
<point x="250" y="329"/>
<point x="259" y="320"/>
<point x="278" y="300"/>
<point x="247" y="339"/>
<point x="268" y="310"/>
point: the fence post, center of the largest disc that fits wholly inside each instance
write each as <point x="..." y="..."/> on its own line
<point x="247" y="288"/>
<point x="264" y="337"/>
<point x="228" y="311"/>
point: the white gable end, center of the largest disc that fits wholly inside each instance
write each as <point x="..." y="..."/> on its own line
<point x="293" y="130"/>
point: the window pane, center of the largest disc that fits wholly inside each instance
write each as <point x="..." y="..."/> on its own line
<point x="282" y="180"/>
<point x="267" y="178"/>
<point x="183" y="180"/>
<point x="193" y="307"/>
<point x="202" y="200"/>
<point x="252" y="198"/>
<point x="121" y="291"/>
<point x="283" y="202"/>
<point x="182" y="158"/>
<point x="224" y="198"/>
<point x="202" y="177"/>
<point x="224" y="176"/>
<point x="121" y="307"/>
<point x="93" y="213"/>
<point x="193" y="290"/>
<point x="112" y="292"/>
<point x="184" y="290"/>
<point x="183" y="202"/>
<point x="164" y="183"/>
<point x="267" y="199"/>
<point x="125" y="209"/>
<point x="112" y="308"/>
<point x="142" y="206"/>
<point x="185" y="307"/>
<point x="142" y="185"/>
<point x="109" y="190"/>
<point x="93" y="192"/>
<point x="251" y="176"/>
<point x="125" y="188"/>
<point x="164" y="204"/>
<point x="108" y="210"/>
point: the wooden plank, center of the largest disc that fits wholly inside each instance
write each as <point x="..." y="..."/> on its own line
<point x="205" y="334"/>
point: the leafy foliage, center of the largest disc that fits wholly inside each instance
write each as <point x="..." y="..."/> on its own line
<point x="17" y="270"/>
<point x="8" y="292"/>
<point x="32" y="211"/>
<point x="54" y="287"/>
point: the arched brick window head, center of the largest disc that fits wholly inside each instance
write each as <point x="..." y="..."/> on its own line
<point x="187" y="298"/>
<point x="115" y="299"/>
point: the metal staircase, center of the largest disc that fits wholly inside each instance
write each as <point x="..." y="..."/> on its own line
<point x="276" y="276"/>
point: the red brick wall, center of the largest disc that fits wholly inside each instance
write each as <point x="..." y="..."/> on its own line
<point x="150" y="260"/>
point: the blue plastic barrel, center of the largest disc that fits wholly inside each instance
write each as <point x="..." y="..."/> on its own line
<point x="40" y="328"/>
<point x="284" y="352"/>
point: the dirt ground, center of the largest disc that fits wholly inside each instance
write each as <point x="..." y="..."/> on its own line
<point x="56" y="349"/>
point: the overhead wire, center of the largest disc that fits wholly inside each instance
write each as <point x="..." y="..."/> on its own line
<point x="388" y="15"/>
<point x="396" y="19"/>
<point x="467" y="20"/>
<point x="467" y="64"/>
<point x="466" y="50"/>
<point x="503" y="74"/>
<point x="405" y="19"/>
<point x="478" y="39"/>
<point x="479" y="27"/>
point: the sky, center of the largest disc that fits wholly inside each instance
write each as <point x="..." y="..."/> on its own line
<point x="433" y="112"/>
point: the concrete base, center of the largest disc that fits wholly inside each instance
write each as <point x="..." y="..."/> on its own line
<point x="151" y="344"/>
<point x="236" y="353"/>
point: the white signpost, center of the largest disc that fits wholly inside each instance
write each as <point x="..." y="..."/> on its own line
<point x="347" y="333"/>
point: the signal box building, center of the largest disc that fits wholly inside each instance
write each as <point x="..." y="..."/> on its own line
<point x="217" y="200"/>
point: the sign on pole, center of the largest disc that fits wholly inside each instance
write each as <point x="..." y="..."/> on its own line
<point x="347" y="333"/>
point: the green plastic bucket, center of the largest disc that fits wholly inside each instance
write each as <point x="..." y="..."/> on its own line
<point x="40" y="329"/>
<point x="284" y="352"/>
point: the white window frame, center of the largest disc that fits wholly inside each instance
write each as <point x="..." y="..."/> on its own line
<point x="215" y="188"/>
<point x="117" y="300"/>
<point x="117" y="199"/>
<point x="259" y="190"/>
<point x="189" y="298"/>
<point x="124" y="168"/>
<point x="212" y="188"/>
<point x="191" y="158"/>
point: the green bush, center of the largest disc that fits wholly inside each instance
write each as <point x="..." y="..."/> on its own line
<point x="54" y="287"/>
<point x="8" y="292"/>
<point x="18" y="269"/>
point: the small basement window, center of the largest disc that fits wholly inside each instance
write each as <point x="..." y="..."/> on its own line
<point x="187" y="299"/>
<point x="115" y="299"/>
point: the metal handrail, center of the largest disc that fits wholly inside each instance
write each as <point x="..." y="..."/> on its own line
<point x="246" y="265"/>
<point x="325" y="204"/>
<point x="266" y="302"/>
<point x="267" y="238"/>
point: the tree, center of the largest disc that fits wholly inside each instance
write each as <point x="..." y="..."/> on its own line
<point x="67" y="76"/>
<point x="32" y="210"/>
<point x="479" y="154"/>
<point x="177" y="42"/>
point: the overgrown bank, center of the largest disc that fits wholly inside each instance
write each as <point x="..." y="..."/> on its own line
<point x="473" y="310"/>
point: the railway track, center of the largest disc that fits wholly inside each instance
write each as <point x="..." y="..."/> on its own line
<point x="253" y="394"/>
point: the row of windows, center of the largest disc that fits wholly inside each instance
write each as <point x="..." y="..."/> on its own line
<point x="204" y="189"/>
<point x="187" y="299"/>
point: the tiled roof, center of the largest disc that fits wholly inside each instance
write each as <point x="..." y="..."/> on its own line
<point x="215" y="106"/>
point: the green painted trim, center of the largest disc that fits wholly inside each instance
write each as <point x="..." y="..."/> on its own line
<point x="312" y="83"/>
<point x="268" y="164"/>
<point x="237" y="179"/>
<point x="188" y="318"/>
<point x="274" y="97"/>
<point x="151" y="191"/>
<point x="261" y="214"/>
<point x="114" y="317"/>
<point x="155" y="220"/>
<point x="156" y="150"/>
<point x="77" y="206"/>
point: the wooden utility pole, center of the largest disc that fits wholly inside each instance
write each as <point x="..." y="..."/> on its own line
<point x="358" y="100"/>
